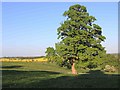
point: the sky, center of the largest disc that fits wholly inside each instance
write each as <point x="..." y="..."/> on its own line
<point x="28" y="28"/>
<point x="60" y="0"/>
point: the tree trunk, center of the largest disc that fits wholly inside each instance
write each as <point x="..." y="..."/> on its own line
<point x="73" y="69"/>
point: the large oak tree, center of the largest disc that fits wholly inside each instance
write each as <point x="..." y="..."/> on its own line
<point x="80" y="39"/>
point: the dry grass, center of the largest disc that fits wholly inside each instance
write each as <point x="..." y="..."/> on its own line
<point x="23" y="60"/>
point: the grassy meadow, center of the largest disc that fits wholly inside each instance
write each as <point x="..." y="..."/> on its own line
<point x="49" y="75"/>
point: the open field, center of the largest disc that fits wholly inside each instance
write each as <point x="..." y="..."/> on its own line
<point x="23" y="59"/>
<point x="47" y="75"/>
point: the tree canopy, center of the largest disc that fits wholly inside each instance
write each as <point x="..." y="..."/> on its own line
<point x="80" y="39"/>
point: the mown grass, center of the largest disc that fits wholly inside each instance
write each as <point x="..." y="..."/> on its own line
<point x="47" y="75"/>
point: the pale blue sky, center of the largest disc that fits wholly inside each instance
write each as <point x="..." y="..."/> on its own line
<point x="60" y="1"/>
<point x="29" y="28"/>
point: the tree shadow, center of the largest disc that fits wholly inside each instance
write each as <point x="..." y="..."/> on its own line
<point x="15" y="72"/>
<point x="23" y="79"/>
<point x="50" y="79"/>
<point x="92" y="79"/>
<point x="10" y="67"/>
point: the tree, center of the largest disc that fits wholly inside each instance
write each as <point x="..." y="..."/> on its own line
<point x="80" y="39"/>
<point x="50" y="54"/>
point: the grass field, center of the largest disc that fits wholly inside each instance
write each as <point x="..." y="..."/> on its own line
<point x="46" y="75"/>
<point x="23" y="59"/>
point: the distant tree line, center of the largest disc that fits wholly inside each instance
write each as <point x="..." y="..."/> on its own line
<point x="24" y="57"/>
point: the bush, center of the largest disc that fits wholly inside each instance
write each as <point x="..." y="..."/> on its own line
<point x="111" y="60"/>
<point x="109" y="68"/>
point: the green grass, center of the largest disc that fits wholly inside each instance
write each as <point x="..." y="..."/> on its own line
<point x="46" y="75"/>
<point x="33" y="66"/>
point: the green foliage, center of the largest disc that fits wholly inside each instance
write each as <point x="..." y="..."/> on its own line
<point x="50" y="54"/>
<point x="111" y="60"/>
<point x="92" y="65"/>
<point x="80" y="40"/>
